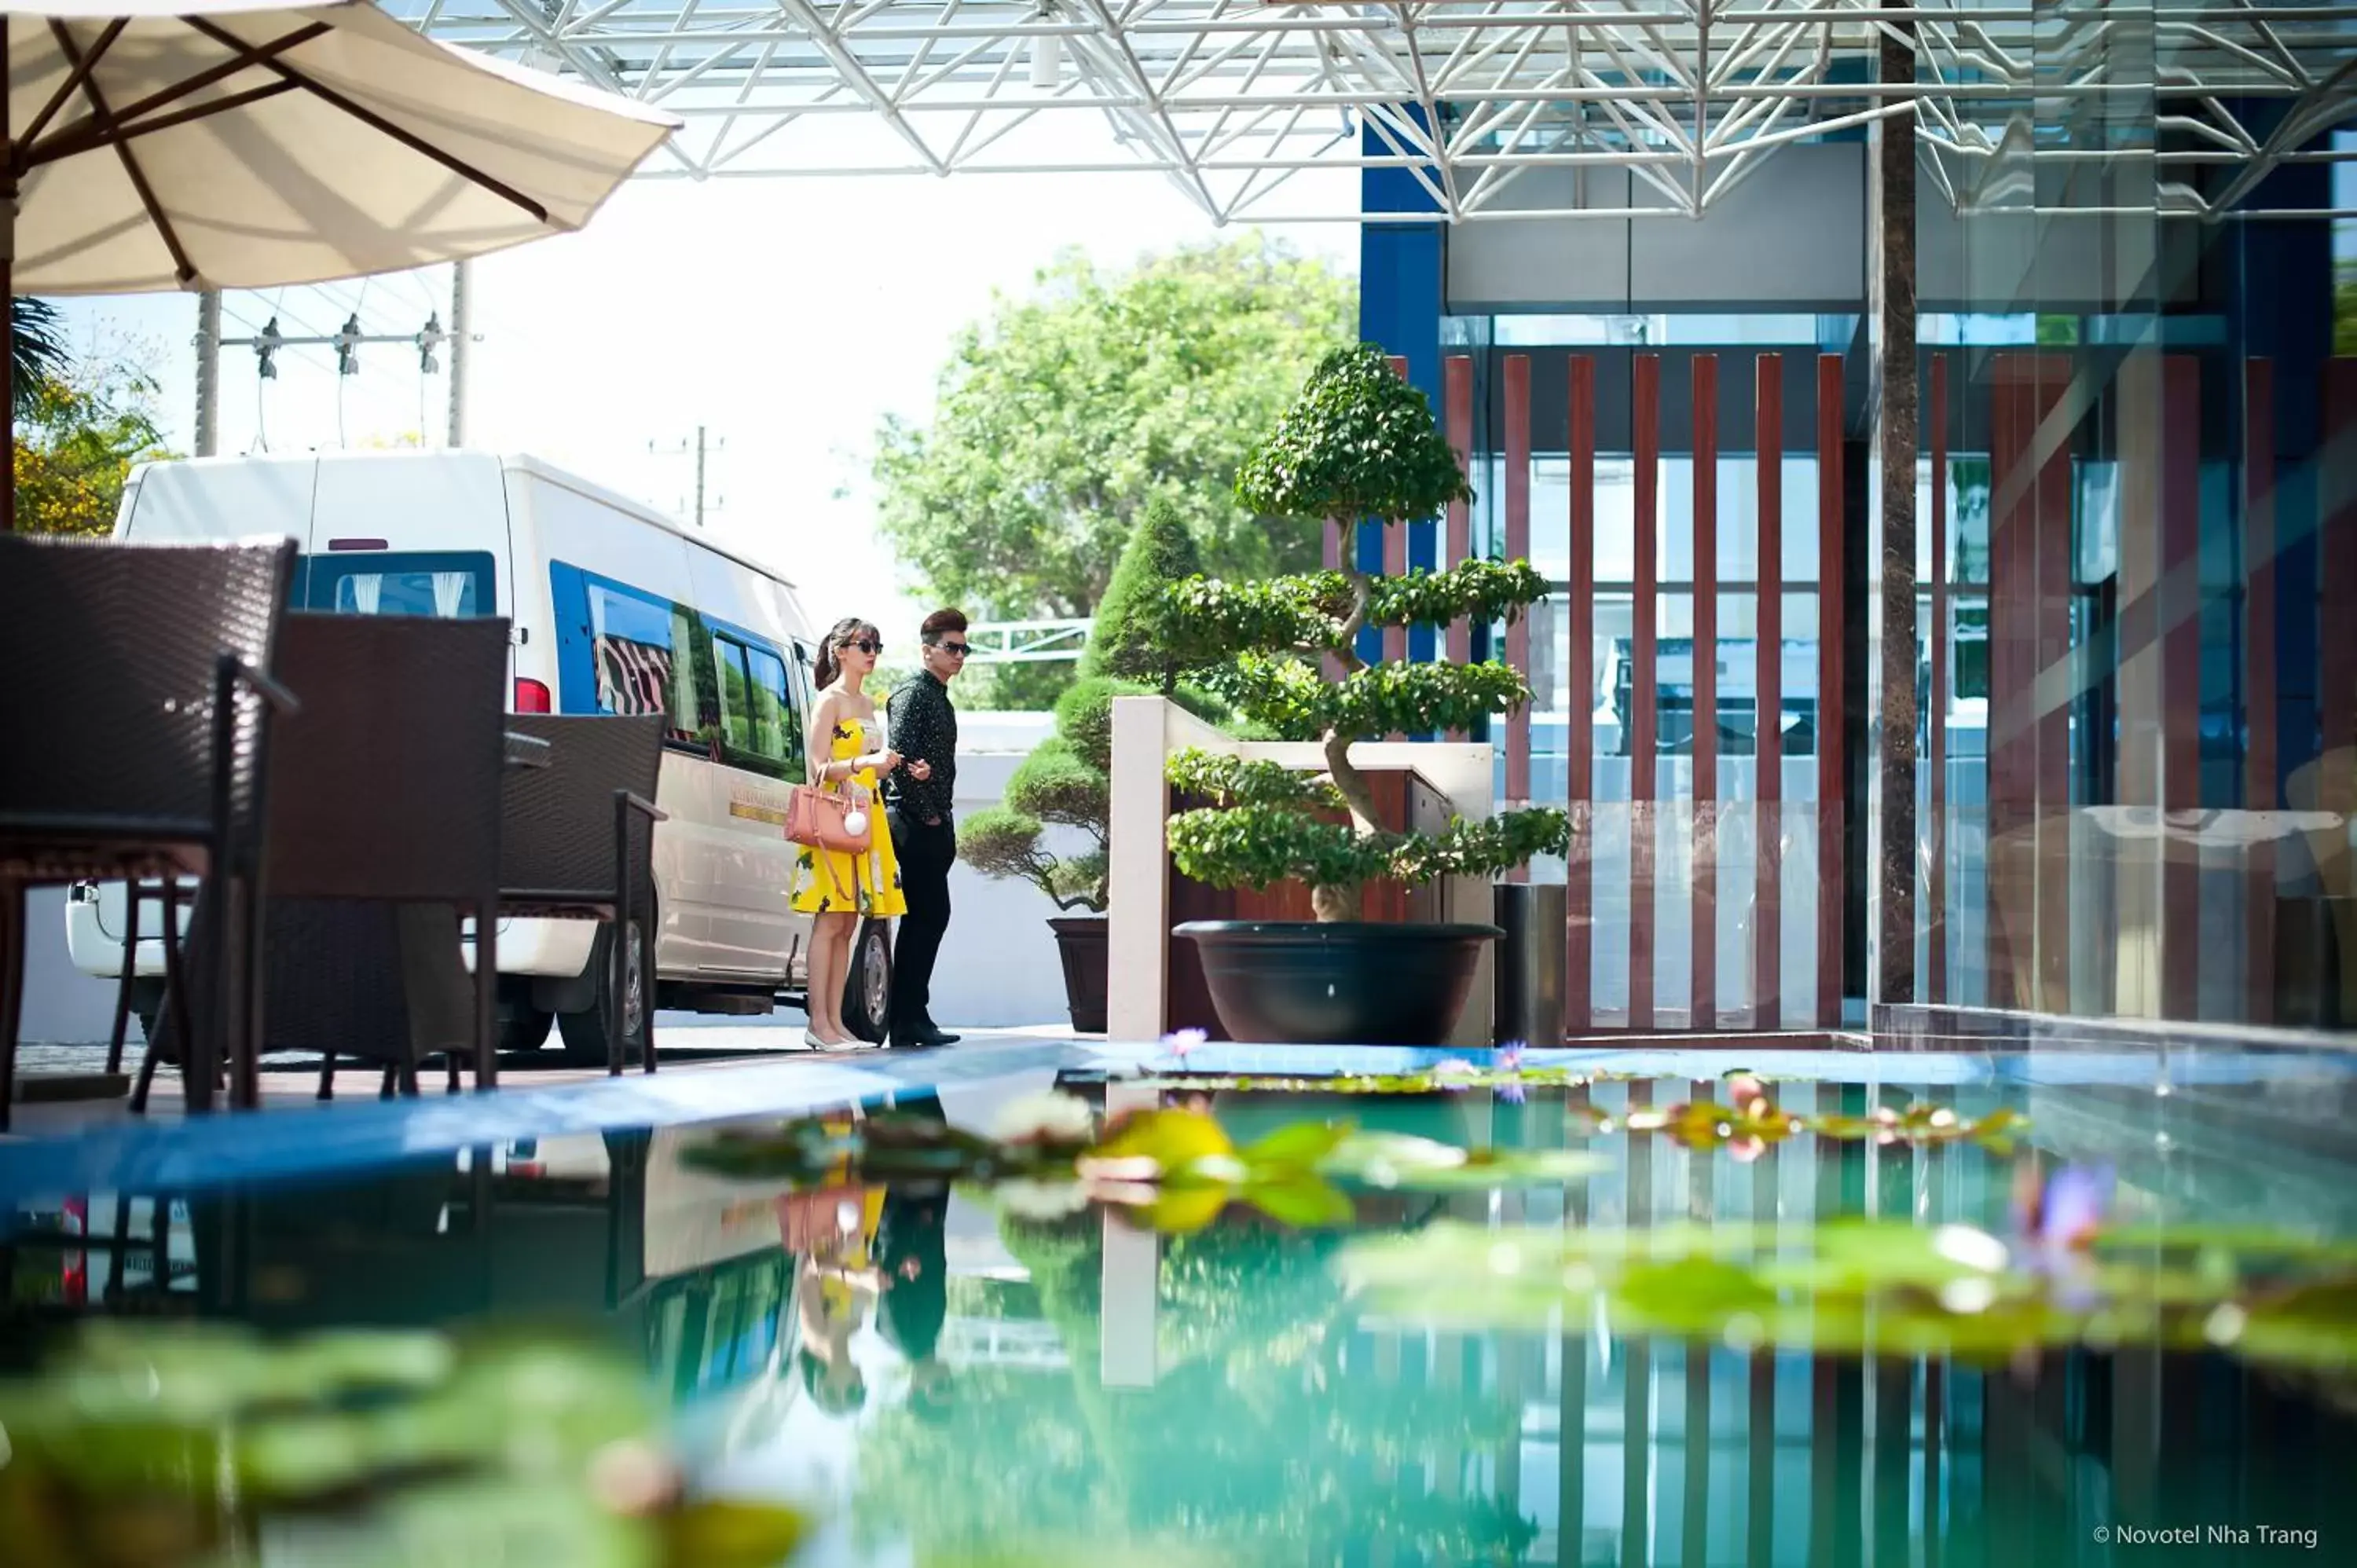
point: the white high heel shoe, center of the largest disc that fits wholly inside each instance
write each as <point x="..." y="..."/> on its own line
<point x="814" y="1043"/>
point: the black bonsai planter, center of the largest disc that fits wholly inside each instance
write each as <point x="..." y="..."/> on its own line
<point x="1347" y="982"/>
<point x="1081" y="942"/>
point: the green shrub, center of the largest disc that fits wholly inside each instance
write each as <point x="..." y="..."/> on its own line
<point x="1131" y="638"/>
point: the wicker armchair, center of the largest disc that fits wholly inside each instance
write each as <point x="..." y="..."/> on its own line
<point x="137" y="718"/>
<point x="577" y="843"/>
<point x="381" y="832"/>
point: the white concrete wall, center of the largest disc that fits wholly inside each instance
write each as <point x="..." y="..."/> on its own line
<point x="998" y="964"/>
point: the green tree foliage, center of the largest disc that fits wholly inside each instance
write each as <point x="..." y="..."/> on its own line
<point x="37" y="348"/>
<point x="1132" y="636"/>
<point x="78" y="440"/>
<point x="1061" y="416"/>
<point x="1359" y="442"/>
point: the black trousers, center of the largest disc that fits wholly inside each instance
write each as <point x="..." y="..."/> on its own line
<point x="926" y="854"/>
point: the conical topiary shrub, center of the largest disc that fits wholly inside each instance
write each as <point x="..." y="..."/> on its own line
<point x="1131" y="638"/>
<point x="1359" y="442"/>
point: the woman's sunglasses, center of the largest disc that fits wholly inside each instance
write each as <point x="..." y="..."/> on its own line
<point x="866" y="644"/>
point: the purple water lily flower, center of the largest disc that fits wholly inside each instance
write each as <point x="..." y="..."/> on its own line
<point x="1509" y="1057"/>
<point x="2054" y="1221"/>
<point x="1181" y="1041"/>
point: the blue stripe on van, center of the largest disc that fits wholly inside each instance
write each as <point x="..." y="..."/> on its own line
<point x="577" y="670"/>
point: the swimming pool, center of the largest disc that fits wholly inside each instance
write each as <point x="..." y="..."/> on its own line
<point x="1652" y="1335"/>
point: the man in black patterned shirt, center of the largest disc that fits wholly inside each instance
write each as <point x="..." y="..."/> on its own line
<point x="923" y="824"/>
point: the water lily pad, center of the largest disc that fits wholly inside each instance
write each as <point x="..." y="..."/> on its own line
<point x="1173" y="1142"/>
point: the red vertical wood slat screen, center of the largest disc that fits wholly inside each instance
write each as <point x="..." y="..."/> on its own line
<point x="1579" y="705"/>
<point x="1935" y="819"/>
<point x="2025" y="389"/>
<point x="2259" y="794"/>
<point x="1768" y="704"/>
<point x="2053" y="598"/>
<point x="1645" y="412"/>
<point x="1457" y="399"/>
<point x="1517" y="391"/>
<point x="2337" y="589"/>
<point x="2012" y="424"/>
<point x="1829" y="689"/>
<point x="2180" y="678"/>
<point x="1705" y="968"/>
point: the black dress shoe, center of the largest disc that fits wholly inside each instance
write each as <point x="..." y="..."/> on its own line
<point x="922" y="1035"/>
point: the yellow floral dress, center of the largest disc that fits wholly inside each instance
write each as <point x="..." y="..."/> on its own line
<point x="831" y="881"/>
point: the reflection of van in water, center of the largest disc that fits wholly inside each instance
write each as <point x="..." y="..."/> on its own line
<point x="615" y="610"/>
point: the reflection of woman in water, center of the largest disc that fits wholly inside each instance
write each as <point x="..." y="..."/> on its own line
<point x="862" y="1246"/>
<point x="833" y="1231"/>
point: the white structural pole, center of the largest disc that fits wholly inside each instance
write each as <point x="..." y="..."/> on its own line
<point x="462" y="343"/>
<point x="209" y="331"/>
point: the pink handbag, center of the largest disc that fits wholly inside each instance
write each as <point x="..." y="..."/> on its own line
<point x="827" y="820"/>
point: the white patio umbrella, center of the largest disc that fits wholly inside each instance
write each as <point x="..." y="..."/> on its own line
<point x="214" y="144"/>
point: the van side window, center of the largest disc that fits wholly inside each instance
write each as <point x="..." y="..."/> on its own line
<point x="757" y="709"/>
<point x="644" y="654"/>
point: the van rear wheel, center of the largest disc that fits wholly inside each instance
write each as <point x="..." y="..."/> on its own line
<point x="585" y="1032"/>
<point x="867" y="986"/>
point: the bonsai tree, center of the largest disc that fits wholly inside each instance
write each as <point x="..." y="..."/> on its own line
<point x="1359" y="442"/>
<point x="1057" y="784"/>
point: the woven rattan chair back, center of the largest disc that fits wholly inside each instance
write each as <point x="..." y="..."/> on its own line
<point x="386" y="785"/>
<point x="556" y="842"/>
<point x="110" y="719"/>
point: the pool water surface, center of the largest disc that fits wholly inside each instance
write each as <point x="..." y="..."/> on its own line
<point x="1701" y="1347"/>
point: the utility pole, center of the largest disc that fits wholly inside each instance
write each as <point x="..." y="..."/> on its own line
<point x="208" y="309"/>
<point x="699" y="449"/>
<point x="462" y="321"/>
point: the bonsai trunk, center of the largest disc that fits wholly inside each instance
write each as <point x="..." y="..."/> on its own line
<point x="1341" y="903"/>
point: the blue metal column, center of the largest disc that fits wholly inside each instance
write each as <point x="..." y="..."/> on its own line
<point x="1400" y="289"/>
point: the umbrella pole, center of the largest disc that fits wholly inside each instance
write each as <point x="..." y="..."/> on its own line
<point x="8" y="293"/>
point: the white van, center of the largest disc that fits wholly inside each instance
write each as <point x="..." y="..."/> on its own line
<point x="615" y="610"/>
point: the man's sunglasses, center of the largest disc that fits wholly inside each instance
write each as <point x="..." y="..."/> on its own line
<point x="867" y="644"/>
<point x="954" y="650"/>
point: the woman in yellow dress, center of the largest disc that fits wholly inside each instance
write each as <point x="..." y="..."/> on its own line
<point x="838" y="887"/>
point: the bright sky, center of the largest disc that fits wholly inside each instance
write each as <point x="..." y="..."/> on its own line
<point x="786" y="316"/>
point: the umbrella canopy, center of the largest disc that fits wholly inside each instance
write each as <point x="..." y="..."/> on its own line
<point x="197" y="144"/>
<point x="192" y="144"/>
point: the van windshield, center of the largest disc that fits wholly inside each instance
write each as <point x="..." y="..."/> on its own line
<point x="452" y="584"/>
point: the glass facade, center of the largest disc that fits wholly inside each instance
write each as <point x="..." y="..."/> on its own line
<point x="2134" y="715"/>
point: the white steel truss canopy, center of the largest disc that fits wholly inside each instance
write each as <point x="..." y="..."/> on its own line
<point x="1231" y="100"/>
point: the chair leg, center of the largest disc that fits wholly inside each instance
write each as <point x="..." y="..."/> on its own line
<point x="245" y="1060"/>
<point x="450" y="1066"/>
<point x="176" y="997"/>
<point x="487" y="994"/>
<point x="12" y="992"/>
<point x="389" y="1084"/>
<point x="619" y="951"/>
<point x="327" y="1074"/>
<point x="132" y="900"/>
<point x="146" y="1082"/>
